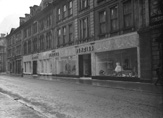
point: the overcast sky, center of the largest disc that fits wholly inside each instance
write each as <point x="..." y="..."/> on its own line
<point x="11" y="10"/>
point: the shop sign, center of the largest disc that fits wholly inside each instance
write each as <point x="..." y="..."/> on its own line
<point x="85" y="49"/>
<point x="54" y="54"/>
<point x="35" y="57"/>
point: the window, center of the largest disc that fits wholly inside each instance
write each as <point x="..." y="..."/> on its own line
<point x="25" y="33"/>
<point x="25" y="48"/>
<point x="35" y="28"/>
<point x="70" y="8"/>
<point x="83" y="4"/>
<point x="59" y="14"/>
<point x="98" y="1"/>
<point x="29" y="46"/>
<point x="114" y="18"/>
<point x="117" y="63"/>
<point x="29" y="31"/>
<point x="64" y="11"/>
<point x="42" y="42"/>
<point x="35" y="45"/>
<point x="64" y="34"/>
<point x="41" y="25"/>
<point x="84" y="28"/>
<point x="48" y="40"/>
<point x="102" y="20"/>
<point x="49" y="21"/>
<point x="127" y="14"/>
<point x="59" y="37"/>
<point x="70" y="34"/>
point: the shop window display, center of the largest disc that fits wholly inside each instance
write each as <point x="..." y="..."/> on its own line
<point x="67" y="66"/>
<point x="119" y="63"/>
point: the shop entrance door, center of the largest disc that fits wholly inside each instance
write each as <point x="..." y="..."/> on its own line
<point x="34" y="67"/>
<point x="85" y="65"/>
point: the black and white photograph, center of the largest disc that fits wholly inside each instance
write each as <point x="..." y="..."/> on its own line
<point x="81" y="58"/>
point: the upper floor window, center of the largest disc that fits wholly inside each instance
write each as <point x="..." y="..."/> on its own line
<point x="64" y="11"/>
<point x="64" y="34"/>
<point x="127" y="14"/>
<point x="25" y="33"/>
<point x="70" y="34"/>
<point x="25" y="48"/>
<point x="48" y="40"/>
<point x="41" y="25"/>
<point x="29" y="46"/>
<point x="98" y="1"/>
<point x="114" y="18"/>
<point x="102" y="21"/>
<point x="83" y="4"/>
<point x="59" y="14"/>
<point x="35" y="45"/>
<point x="41" y="42"/>
<point x="29" y="31"/>
<point x="59" y="37"/>
<point x="84" y="28"/>
<point x="49" y="21"/>
<point x="70" y="8"/>
<point x="35" y="28"/>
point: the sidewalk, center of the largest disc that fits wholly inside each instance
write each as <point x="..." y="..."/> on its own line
<point x="10" y="108"/>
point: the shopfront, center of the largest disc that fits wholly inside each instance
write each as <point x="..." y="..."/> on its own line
<point x="117" y="57"/>
<point x="66" y="62"/>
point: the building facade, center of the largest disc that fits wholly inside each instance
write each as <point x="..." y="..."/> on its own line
<point x="2" y="53"/>
<point x="97" y="39"/>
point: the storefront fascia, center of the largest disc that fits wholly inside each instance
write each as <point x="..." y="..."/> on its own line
<point x="122" y="50"/>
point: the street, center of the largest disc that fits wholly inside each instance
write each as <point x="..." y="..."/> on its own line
<point x="56" y="99"/>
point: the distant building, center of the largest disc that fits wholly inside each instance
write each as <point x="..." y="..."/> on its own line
<point x="2" y="53"/>
<point x="87" y="38"/>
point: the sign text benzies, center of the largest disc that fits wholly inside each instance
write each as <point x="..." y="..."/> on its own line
<point x="54" y="54"/>
<point x="85" y="49"/>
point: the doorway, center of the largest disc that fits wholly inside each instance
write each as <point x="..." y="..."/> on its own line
<point x="34" y="67"/>
<point x="85" y="65"/>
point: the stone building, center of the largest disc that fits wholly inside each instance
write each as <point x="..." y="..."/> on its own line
<point x="2" y="53"/>
<point x="88" y="38"/>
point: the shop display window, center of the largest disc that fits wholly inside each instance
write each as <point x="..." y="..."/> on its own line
<point x="118" y="63"/>
<point x="67" y="66"/>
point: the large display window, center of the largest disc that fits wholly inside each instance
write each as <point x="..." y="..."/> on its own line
<point x="118" y="63"/>
<point x="67" y="66"/>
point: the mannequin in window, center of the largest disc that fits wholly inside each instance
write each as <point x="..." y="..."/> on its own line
<point x="118" y="69"/>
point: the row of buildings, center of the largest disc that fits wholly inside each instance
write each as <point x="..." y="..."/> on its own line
<point x="87" y="38"/>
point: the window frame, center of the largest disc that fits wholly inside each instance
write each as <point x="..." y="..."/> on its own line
<point x="84" y="28"/>
<point x="70" y="27"/>
<point x="102" y="23"/>
<point x="59" y="14"/>
<point x="84" y="4"/>
<point x="59" y="37"/>
<point x="64" y="11"/>
<point x="64" y="30"/>
<point x="128" y="14"/>
<point x="70" y="8"/>
<point x="114" y="18"/>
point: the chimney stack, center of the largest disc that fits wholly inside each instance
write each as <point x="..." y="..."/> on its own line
<point x="22" y="20"/>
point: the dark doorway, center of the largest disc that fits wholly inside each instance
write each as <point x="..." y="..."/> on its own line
<point x="85" y="65"/>
<point x="34" y="67"/>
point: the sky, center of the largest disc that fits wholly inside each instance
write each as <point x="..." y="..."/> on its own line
<point x="11" y="10"/>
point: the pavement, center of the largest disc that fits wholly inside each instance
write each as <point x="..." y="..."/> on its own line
<point x="10" y="108"/>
